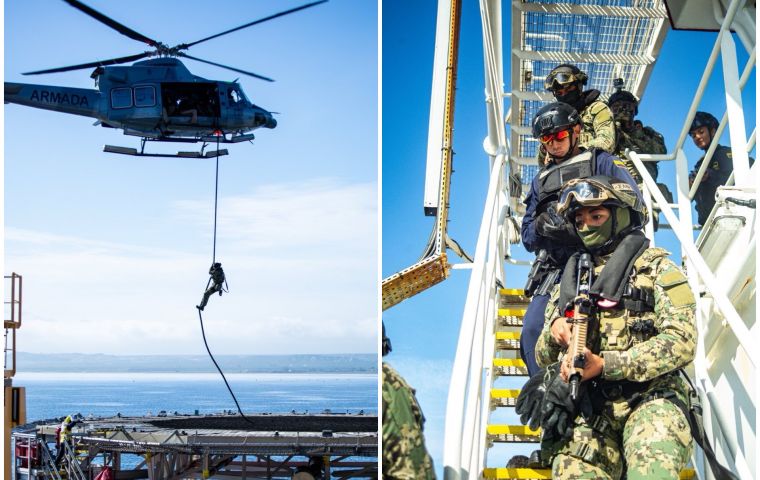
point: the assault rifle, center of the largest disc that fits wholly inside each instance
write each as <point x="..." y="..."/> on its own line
<point x="543" y="275"/>
<point x="582" y="308"/>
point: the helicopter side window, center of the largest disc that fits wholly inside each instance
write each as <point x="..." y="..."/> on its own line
<point x="121" y="98"/>
<point x="145" y="96"/>
<point x="233" y="96"/>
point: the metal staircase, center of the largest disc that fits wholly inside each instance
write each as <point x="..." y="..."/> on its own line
<point x="607" y="42"/>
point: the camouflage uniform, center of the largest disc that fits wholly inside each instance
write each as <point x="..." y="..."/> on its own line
<point x="404" y="453"/>
<point x="598" y="127"/>
<point x="653" y="439"/>
<point x="640" y="140"/>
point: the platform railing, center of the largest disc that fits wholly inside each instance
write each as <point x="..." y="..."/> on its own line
<point x="48" y="462"/>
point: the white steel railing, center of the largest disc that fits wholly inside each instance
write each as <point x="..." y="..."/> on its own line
<point x="467" y="407"/>
<point x="464" y="447"/>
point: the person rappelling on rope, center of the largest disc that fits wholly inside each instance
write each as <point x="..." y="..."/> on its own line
<point x="217" y="283"/>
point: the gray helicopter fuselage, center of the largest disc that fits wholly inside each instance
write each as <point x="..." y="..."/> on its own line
<point x="157" y="98"/>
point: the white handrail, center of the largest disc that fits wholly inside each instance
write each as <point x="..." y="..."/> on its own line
<point x="736" y="323"/>
<point x="465" y="377"/>
<point x="708" y="71"/>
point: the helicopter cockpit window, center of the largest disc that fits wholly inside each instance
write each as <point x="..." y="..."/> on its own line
<point x="121" y="98"/>
<point x="234" y="96"/>
<point x="145" y="96"/>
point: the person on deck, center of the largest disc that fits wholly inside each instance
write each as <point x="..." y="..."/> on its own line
<point x="65" y="438"/>
<point x="558" y="127"/>
<point x="631" y="409"/>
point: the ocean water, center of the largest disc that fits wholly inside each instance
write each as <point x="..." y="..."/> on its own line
<point x="51" y="395"/>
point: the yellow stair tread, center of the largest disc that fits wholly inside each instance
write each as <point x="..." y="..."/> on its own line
<point x="504" y="393"/>
<point x="508" y="362"/>
<point x="507" y="335"/>
<point x="511" y="430"/>
<point x="511" y="291"/>
<point x="521" y="473"/>
<point x="546" y="473"/>
<point x="512" y="312"/>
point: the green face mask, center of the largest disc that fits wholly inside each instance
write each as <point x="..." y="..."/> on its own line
<point x="594" y="237"/>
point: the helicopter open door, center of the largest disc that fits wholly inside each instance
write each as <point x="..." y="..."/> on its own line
<point x="184" y="102"/>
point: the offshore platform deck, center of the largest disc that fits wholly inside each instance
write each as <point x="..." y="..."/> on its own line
<point x="299" y="446"/>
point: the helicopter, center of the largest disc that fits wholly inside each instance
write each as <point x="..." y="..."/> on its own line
<point x="157" y="99"/>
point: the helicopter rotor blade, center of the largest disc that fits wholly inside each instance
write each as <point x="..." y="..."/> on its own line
<point x="99" y="63"/>
<point x="250" y="74"/>
<point x="112" y="23"/>
<point x="255" y="22"/>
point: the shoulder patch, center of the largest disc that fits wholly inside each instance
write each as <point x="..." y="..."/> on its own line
<point x="676" y="288"/>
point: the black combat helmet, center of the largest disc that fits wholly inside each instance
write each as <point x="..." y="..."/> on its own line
<point x="704" y="119"/>
<point x="601" y="190"/>
<point x="625" y="96"/>
<point x="553" y="118"/>
<point x="562" y="76"/>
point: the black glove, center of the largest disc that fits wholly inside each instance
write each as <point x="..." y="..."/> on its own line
<point x="551" y="225"/>
<point x="531" y="398"/>
<point x="559" y="410"/>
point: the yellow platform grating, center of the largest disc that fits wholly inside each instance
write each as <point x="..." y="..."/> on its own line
<point x="508" y="340"/>
<point x="512" y="434"/>
<point x="509" y="367"/>
<point x="502" y="397"/>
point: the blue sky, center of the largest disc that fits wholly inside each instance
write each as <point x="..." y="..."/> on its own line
<point x="424" y="329"/>
<point x="115" y="250"/>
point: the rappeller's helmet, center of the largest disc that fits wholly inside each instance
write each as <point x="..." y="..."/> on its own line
<point x="704" y="119"/>
<point x="624" y="96"/>
<point x="627" y="210"/>
<point x="554" y="118"/>
<point x="562" y="76"/>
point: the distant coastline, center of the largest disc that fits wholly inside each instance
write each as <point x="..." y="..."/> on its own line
<point x="81" y="362"/>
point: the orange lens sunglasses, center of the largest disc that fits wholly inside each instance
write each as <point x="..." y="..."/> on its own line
<point x="561" y="135"/>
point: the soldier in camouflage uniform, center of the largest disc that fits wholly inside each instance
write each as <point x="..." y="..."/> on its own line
<point x="632" y="134"/>
<point x="632" y="399"/>
<point x="404" y="454"/>
<point x="598" y="129"/>
<point x="641" y="139"/>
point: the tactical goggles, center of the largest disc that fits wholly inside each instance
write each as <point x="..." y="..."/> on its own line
<point x="561" y="135"/>
<point x="622" y="106"/>
<point x="559" y="78"/>
<point x="583" y="192"/>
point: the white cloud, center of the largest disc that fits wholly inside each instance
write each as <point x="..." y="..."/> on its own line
<point x="301" y="262"/>
<point x="315" y="214"/>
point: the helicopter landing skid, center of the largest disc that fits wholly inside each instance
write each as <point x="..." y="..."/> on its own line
<point x="141" y="153"/>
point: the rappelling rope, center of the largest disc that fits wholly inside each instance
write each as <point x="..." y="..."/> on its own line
<point x="200" y="315"/>
<point x="203" y="332"/>
<point x="216" y="198"/>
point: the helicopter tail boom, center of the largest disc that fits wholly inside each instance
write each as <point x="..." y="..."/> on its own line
<point x="77" y="101"/>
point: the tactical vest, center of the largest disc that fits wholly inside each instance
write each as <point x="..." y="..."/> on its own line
<point x="551" y="179"/>
<point x="632" y="322"/>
